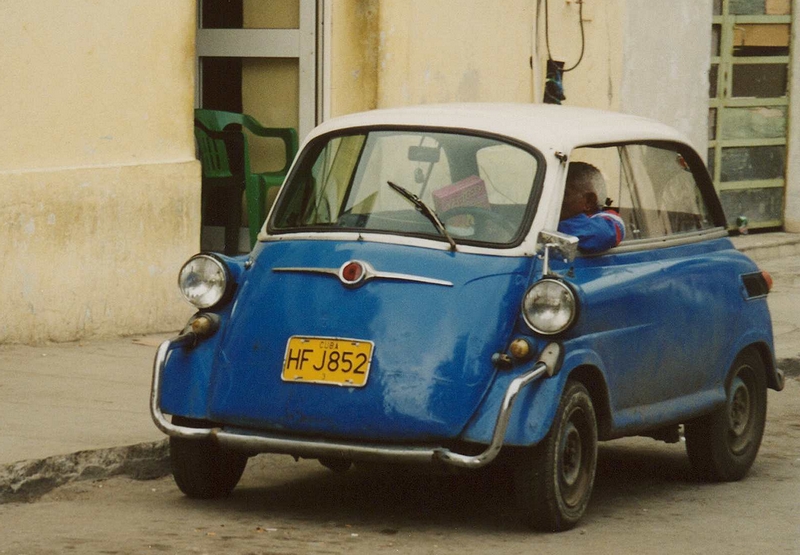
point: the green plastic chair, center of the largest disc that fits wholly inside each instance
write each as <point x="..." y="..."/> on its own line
<point x="225" y="157"/>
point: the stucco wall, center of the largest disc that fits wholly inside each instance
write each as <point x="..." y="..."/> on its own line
<point x="100" y="186"/>
<point x="354" y="53"/>
<point x="666" y="60"/>
<point x="400" y="52"/>
<point x="639" y="56"/>
<point x="455" y="51"/>
<point x="595" y="80"/>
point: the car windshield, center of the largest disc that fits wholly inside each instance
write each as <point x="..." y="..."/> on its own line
<point x="479" y="187"/>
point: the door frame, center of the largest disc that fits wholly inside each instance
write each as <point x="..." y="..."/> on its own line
<point x="300" y="44"/>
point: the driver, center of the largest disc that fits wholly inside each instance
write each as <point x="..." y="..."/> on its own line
<point x="597" y="230"/>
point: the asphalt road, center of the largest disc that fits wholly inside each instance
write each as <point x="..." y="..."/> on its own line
<point x="646" y="500"/>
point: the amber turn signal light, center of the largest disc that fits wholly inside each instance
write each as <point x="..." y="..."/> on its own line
<point x="520" y="349"/>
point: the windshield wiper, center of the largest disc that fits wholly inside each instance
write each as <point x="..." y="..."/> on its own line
<point x="425" y="210"/>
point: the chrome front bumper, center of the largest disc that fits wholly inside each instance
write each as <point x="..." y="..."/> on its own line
<point x="247" y="441"/>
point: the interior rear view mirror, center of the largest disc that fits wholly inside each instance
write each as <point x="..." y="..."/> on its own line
<point x="428" y="154"/>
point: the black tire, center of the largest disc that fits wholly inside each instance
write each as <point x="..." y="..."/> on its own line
<point x="201" y="468"/>
<point x="723" y="445"/>
<point x="554" y="479"/>
<point x="336" y="465"/>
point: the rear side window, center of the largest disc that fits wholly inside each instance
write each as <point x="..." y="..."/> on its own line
<point x="652" y="187"/>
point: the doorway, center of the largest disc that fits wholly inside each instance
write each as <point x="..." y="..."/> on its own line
<point x="749" y="108"/>
<point x="257" y="57"/>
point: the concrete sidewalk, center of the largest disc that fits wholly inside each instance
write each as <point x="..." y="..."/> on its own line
<point x="62" y="398"/>
<point x="59" y="399"/>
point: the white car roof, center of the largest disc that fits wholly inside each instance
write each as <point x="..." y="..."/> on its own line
<point x="545" y="126"/>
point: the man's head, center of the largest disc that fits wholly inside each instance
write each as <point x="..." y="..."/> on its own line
<point x="580" y="194"/>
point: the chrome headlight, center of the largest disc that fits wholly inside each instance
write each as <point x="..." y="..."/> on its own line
<point x="549" y="306"/>
<point x="204" y="281"/>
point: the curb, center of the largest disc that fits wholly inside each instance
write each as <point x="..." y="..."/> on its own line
<point x="28" y="480"/>
<point x="768" y="246"/>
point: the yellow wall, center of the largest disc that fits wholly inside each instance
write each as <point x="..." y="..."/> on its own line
<point x="89" y="83"/>
<point x="454" y="51"/>
<point x="95" y="251"/>
<point x="354" y="38"/>
<point x="638" y="57"/>
<point x="270" y="85"/>
<point x="100" y="186"/>
<point x="401" y="52"/>
<point x="596" y="81"/>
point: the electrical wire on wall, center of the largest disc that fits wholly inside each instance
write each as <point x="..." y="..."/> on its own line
<point x="554" y="84"/>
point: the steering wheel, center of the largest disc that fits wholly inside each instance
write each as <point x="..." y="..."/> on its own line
<point x="487" y="225"/>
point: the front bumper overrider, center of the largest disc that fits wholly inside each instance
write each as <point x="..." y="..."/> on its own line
<point x="260" y="442"/>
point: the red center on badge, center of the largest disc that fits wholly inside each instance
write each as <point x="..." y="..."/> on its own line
<point x="352" y="272"/>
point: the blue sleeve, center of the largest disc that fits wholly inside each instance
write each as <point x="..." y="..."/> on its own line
<point x="597" y="233"/>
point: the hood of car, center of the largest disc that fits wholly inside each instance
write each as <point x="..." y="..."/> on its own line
<point x="364" y="340"/>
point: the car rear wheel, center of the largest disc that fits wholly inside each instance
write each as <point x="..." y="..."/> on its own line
<point x="554" y="479"/>
<point x="723" y="445"/>
<point x="201" y="468"/>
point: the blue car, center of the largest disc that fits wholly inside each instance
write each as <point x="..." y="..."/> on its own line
<point x="411" y="299"/>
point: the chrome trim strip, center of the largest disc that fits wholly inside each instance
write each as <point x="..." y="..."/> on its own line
<point x="409" y="277"/>
<point x="314" y="448"/>
<point x="633" y="245"/>
<point x="327" y="271"/>
<point x="369" y="273"/>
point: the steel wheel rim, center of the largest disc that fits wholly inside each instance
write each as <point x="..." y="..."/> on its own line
<point x="741" y="411"/>
<point x="574" y="468"/>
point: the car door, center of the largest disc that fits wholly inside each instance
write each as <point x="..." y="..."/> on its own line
<point x="651" y="306"/>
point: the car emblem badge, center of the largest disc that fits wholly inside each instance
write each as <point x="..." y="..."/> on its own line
<point x="353" y="273"/>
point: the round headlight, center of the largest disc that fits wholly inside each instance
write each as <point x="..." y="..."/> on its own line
<point x="203" y="280"/>
<point x="549" y="307"/>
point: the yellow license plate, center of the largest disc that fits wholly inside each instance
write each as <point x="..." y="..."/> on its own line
<point x="327" y="360"/>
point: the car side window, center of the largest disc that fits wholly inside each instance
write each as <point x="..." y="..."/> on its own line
<point x="652" y="187"/>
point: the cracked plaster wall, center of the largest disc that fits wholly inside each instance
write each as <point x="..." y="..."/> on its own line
<point x="99" y="184"/>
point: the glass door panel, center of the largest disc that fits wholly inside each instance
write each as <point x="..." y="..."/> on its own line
<point x="759" y="122"/>
<point x="747" y="122"/>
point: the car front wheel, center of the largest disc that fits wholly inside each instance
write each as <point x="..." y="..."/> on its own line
<point x="554" y="479"/>
<point x="201" y="468"/>
<point x="723" y="445"/>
